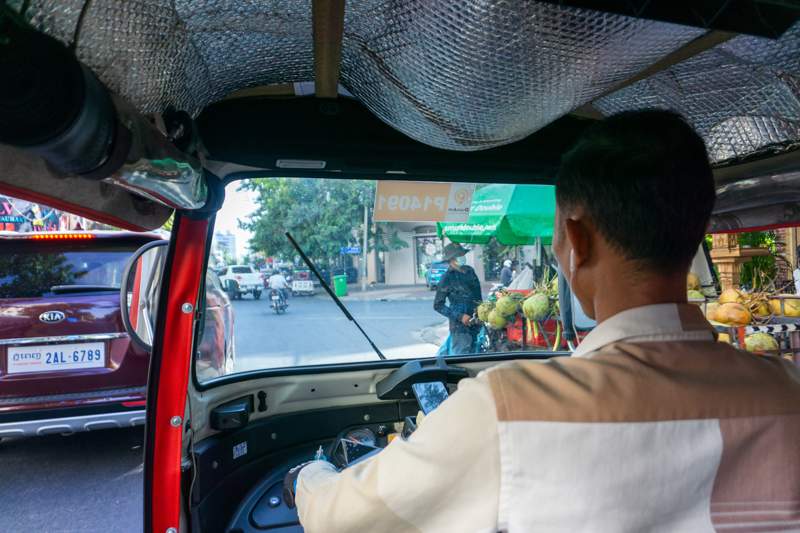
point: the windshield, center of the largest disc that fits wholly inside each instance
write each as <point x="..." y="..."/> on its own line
<point x="420" y="266"/>
<point x="34" y="270"/>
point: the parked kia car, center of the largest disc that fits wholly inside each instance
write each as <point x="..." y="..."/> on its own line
<point x="66" y="363"/>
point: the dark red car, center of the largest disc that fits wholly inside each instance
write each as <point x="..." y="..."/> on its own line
<point x="66" y="363"/>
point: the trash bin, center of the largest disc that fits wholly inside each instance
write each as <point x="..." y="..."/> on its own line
<point x="340" y="285"/>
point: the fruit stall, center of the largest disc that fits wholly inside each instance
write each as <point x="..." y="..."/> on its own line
<point x="757" y="321"/>
<point x="516" y="320"/>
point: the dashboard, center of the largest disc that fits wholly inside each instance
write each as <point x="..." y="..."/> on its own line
<point x="264" y="509"/>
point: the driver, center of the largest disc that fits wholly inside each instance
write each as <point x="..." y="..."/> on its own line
<point x="650" y="425"/>
<point x="278" y="282"/>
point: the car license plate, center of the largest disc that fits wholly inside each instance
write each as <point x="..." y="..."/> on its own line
<point x="302" y="285"/>
<point x="52" y="357"/>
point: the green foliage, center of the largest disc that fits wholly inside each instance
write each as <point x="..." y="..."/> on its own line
<point x="761" y="269"/>
<point x="31" y="275"/>
<point x="323" y="215"/>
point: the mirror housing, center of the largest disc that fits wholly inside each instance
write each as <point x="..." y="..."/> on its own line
<point x="141" y="285"/>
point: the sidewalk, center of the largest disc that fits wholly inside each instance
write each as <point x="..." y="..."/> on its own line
<point x="392" y="293"/>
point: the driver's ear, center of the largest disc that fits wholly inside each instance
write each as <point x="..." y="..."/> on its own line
<point x="580" y="242"/>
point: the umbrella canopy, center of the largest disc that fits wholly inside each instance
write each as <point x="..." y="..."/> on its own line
<point x="512" y="214"/>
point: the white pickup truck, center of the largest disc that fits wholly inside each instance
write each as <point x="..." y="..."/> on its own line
<point x="241" y="279"/>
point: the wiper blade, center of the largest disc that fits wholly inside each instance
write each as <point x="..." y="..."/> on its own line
<point x="65" y="289"/>
<point x="332" y="294"/>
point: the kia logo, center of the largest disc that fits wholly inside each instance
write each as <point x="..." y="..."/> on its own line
<point x="52" y="317"/>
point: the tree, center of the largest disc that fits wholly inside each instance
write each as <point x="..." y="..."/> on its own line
<point x="323" y="216"/>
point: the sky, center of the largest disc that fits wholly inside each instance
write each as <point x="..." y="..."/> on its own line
<point x="238" y="205"/>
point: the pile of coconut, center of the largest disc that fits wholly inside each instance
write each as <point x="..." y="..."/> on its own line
<point x="537" y="305"/>
<point x="736" y="307"/>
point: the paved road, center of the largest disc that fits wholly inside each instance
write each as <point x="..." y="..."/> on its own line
<point x="314" y="331"/>
<point x="93" y="481"/>
<point x="86" y="482"/>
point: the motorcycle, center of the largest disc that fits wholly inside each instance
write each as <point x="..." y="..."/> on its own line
<point x="278" y="301"/>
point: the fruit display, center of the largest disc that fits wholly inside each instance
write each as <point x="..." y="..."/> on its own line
<point x="732" y="296"/>
<point x="761" y="342"/>
<point x="733" y="314"/>
<point x="694" y="294"/>
<point x="791" y="307"/>
<point x="483" y="310"/>
<point x="520" y="317"/>
<point x="496" y="320"/>
<point x="536" y="306"/>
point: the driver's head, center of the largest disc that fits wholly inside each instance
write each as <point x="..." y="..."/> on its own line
<point x="634" y="197"/>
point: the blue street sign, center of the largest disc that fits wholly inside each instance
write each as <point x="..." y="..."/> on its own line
<point x="353" y="250"/>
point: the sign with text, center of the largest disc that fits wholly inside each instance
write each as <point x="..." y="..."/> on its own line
<point x="422" y="201"/>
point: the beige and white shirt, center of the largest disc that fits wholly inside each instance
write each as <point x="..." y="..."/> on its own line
<point x="650" y="426"/>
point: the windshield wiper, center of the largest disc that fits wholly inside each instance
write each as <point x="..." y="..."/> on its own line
<point x="336" y="299"/>
<point x="66" y="289"/>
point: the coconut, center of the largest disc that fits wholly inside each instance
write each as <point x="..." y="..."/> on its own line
<point x="759" y="308"/>
<point x="496" y="320"/>
<point x="506" y="305"/>
<point x="760" y="342"/>
<point x="692" y="282"/>
<point x="733" y="314"/>
<point x="536" y="307"/>
<point x="711" y="311"/>
<point x="695" y="295"/>
<point x="731" y="296"/>
<point x="791" y="307"/>
<point x="483" y="311"/>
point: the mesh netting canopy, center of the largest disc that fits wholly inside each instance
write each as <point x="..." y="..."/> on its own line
<point x="461" y="76"/>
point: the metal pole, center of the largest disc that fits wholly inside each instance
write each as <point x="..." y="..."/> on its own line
<point x="364" y="251"/>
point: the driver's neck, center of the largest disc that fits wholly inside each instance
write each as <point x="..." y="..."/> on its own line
<point x="618" y="292"/>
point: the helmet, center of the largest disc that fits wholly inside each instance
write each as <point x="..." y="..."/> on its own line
<point x="507" y="263"/>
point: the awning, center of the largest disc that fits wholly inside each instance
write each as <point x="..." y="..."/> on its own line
<point x="513" y="214"/>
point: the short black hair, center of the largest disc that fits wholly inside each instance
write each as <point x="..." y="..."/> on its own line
<point x="645" y="181"/>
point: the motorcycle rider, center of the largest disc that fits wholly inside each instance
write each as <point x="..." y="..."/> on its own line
<point x="651" y="425"/>
<point x="278" y="282"/>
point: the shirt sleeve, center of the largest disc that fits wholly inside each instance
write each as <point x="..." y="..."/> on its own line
<point x="439" y="301"/>
<point x="445" y="477"/>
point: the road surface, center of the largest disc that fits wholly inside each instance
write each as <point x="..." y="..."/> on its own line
<point x="92" y="482"/>
<point x="314" y="331"/>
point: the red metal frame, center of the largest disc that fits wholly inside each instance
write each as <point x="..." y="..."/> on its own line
<point x="172" y="374"/>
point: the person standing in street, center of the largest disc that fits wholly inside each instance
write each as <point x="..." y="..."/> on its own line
<point x="457" y="296"/>
<point x="506" y="274"/>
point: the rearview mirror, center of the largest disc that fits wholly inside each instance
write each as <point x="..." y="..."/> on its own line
<point x="139" y="292"/>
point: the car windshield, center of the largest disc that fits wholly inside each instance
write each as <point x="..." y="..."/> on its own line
<point x="36" y="269"/>
<point x="418" y="264"/>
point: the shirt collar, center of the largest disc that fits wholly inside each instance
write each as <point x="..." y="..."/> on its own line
<point x="659" y="322"/>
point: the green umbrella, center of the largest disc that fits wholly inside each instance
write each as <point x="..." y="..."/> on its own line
<point x="512" y="214"/>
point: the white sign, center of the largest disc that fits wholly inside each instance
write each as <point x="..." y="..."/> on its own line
<point x="422" y="201"/>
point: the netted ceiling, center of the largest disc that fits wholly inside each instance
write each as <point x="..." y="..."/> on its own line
<point x="460" y="76"/>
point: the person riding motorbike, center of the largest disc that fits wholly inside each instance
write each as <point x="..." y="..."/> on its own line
<point x="651" y="424"/>
<point x="460" y="288"/>
<point x="278" y="282"/>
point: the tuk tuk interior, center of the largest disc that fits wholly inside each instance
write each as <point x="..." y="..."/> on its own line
<point x="130" y="112"/>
